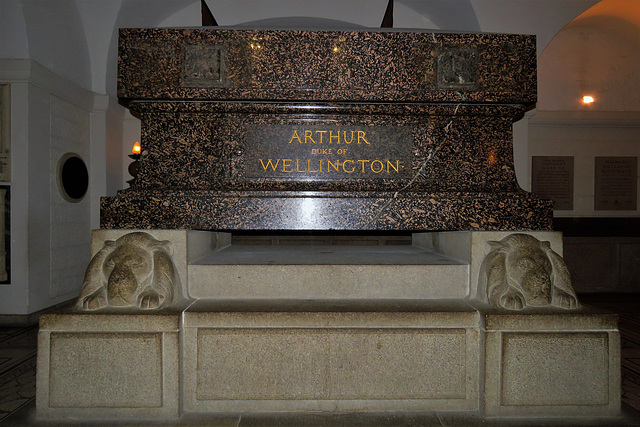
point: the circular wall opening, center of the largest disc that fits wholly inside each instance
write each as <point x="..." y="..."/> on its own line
<point x="73" y="177"/>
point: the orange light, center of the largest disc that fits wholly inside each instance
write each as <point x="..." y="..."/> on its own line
<point x="588" y="99"/>
<point x="136" y="148"/>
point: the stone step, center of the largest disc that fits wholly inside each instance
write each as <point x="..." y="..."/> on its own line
<point x="327" y="272"/>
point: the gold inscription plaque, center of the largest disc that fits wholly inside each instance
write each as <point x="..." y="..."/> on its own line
<point x="327" y="153"/>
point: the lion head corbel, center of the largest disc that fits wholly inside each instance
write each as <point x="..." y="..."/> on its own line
<point x="522" y="271"/>
<point x="135" y="270"/>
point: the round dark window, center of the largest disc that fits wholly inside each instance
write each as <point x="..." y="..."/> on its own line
<point x="73" y="177"/>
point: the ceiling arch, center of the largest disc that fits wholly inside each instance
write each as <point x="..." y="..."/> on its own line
<point x="364" y="13"/>
<point x="56" y="39"/>
<point x="451" y="15"/>
<point x="596" y="54"/>
<point x="299" y="22"/>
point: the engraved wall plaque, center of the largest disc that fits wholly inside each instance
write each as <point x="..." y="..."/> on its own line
<point x="5" y="236"/>
<point x="552" y="178"/>
<point x="616" y="183"/>
<point x="327" y="153"/>
<point x="5" y="134"/>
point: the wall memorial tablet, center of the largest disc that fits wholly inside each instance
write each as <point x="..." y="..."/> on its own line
<point x="552" y="178"/>
<point x="616" y="183"/>
<point x="5" y="133"/>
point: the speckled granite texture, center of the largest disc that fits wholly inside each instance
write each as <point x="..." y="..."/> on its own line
<point x="206" y="64"/>
<point x="324" y="211"/>
<point x="300" y="130"/>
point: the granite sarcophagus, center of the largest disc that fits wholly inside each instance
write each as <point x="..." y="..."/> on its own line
<point x="330" y="130"/>
<point x="297" y="130"/>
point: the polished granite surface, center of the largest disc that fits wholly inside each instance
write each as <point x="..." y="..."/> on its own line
<point x="17" y="389"/>
<point x="325" y="130"/>
<point x="370" y="66"/>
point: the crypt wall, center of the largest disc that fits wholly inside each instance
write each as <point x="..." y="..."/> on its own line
<point x="595" y="54"/>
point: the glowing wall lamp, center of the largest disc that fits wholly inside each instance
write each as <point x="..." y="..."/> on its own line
<point x="588" y="99"/>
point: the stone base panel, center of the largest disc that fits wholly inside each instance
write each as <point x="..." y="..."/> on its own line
<point x="161" y="366"/>
<point x="108" y="367"/>
<point x="331" y="328"/>
<point x="542" y="364"/>
<point x="315" y="361"/>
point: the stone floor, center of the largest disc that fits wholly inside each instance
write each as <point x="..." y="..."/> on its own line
<point x="17" y="369"/>
<point x="17" y="389"/>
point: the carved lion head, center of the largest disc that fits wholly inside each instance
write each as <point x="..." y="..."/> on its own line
<point x="134" y="270"/>
<point x="521" y="271"/>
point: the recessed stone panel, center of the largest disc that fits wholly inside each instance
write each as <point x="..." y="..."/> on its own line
<point x="203" y="66"/>
<point x="458" y="69"/>
<point x="383" y="364"/>
<point x="555" y="369"/>
<point x="543" y="364"/>
<point x="105" y="366"/>
<point x="106" y="370"/>
<point x="331" y="364"/>
<point x="254" y="364"/>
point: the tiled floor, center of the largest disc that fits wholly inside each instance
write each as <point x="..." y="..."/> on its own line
<point x="627" y="306"/>
<point x="17" y="388"/>
<point x="17" y="369"/>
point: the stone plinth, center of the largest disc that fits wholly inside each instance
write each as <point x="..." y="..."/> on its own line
<point x="267" y="356"/>
<point x="299" y="130"/>
<point x="275" y="331"/>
